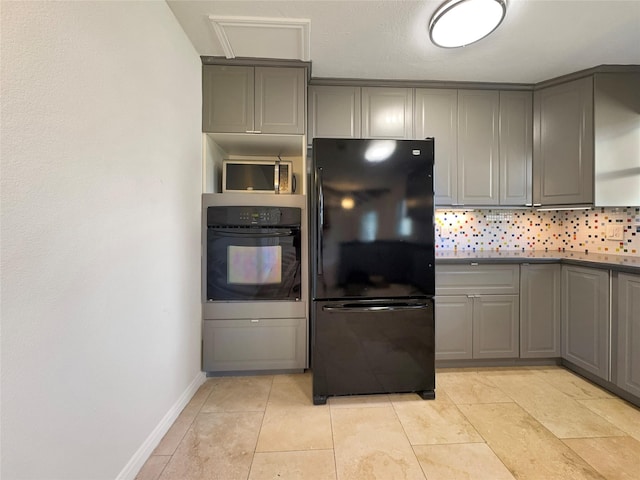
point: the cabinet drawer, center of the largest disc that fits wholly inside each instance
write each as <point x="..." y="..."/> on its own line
<point x="477" y="279"/>
<point x="264" y="344"/>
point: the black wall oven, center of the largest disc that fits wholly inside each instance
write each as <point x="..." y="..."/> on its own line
<point x="253" y="253"/>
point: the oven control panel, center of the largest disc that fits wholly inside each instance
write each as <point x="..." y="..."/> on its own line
<point x="253" y="215"/>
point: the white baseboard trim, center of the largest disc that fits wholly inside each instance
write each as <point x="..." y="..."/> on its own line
<point x="138" y="459"/>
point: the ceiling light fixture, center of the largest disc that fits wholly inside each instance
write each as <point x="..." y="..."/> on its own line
<point x="457" y="23"/>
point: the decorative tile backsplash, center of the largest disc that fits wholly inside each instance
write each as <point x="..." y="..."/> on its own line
<point x="614" y="231"/>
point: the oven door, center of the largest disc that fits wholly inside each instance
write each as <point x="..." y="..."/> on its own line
<point x="253" y="263"/>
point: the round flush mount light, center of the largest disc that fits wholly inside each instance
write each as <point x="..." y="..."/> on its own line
<point x="457" y="23"/>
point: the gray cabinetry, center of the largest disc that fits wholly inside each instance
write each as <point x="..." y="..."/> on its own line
<point x="516" y="147"/>
<point x="244" y="99"/>
<point x="476" y="312"/>
<point x="628" y="341"/>
<point x="487" y="161"/>
<point x="585" y="318"/>
<point x="436" y="115"/>
<point x="387" y="112"/>
<point x="540" y="293"/>
<point x="495" y="326"/>
<point x="478" y="147"/>
<point x="617" y="150"/>
<point x="334" y="112"/>
<point x="254" y="344"/>
<point x="563" y="159"/>
<point x="454" y="327"/>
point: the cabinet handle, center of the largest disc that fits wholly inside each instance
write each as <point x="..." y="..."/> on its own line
<point x="537" y="204"/>
<point x="474" y="264"/>
<point x="253" y="131"/>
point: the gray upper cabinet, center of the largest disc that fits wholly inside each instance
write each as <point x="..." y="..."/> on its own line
<point x="334" y="112"/>
<point x="585" y="318"/>
<point x="436" y="115"/>
<point x="478" y="147"/>
<point x="563" y="162"/>
<point x="617" y="150"/>
<point x="227" y="98"/>
<point x="387" y="112"/>
<point x="540" y="294"/>
<point x="241" y="99"/>
<point x="628" y="341"/>
<point x="516" y="147"/>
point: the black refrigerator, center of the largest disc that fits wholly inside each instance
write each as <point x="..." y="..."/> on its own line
<point x="372" y="267"/>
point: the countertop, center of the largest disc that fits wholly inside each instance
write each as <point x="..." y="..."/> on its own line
<point x="620" y="263"/>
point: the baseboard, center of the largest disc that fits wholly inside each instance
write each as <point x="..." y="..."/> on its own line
<point x="138" y="459"/>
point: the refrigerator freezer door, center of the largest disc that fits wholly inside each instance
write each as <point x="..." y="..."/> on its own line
<point x="377" y="346"/>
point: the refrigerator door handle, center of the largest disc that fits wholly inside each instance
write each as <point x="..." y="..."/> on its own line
<point x="355" y="308"/>
<point x="320" y="221"/>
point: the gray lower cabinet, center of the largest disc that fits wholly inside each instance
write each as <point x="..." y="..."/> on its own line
<point x="454" y="327"/>
<point x="334" y="112"/>
<point x="585" y="318"/>
<point x="563" y="158"/>
<point x="245" y="99"/>
<point x="495" y="326"/>
<point x="628" y="341"/>
<point x="476" y="312"/>
<point x="259" y="344"/>
<point x="540" y="312"/>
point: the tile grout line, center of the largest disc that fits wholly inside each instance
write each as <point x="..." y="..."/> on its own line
<point x="264" y="413"/>
<point x="333" y="440"/>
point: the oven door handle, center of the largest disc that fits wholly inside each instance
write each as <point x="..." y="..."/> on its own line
<point x="288" y="233"/>
<point x="355" y="308"/>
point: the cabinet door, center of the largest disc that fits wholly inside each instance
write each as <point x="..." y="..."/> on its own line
<point x="617" y="150"/>
<point x="436" y="115"/>
<point x="495" y="326"/>
<point x="334" y="112"/>
<point x="454" y="327"/>
<point x="279" y="100"/>
<point x="516" y="132"/>
<point x="629" y="333"/>
<point x="563" y="160"/>
<point x="227" y="99"/>
<point x="585" y="318"/>
<point x="245" y="345"/>
<point x="540" y="311"/>
<point x="478" y="143"/>
<point x="387" y="112"/>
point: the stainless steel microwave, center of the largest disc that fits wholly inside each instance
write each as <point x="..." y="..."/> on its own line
<point x="257" y="176"/>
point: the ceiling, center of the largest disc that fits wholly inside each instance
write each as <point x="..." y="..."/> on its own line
<point x="388" y="39"/>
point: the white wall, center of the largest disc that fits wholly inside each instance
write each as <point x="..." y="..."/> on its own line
<point x="100" y="233"/>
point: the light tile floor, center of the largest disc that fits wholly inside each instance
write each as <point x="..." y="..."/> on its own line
<point x="538" y="423"/>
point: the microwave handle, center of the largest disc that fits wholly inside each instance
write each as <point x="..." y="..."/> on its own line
<point x="276" y="177"/>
